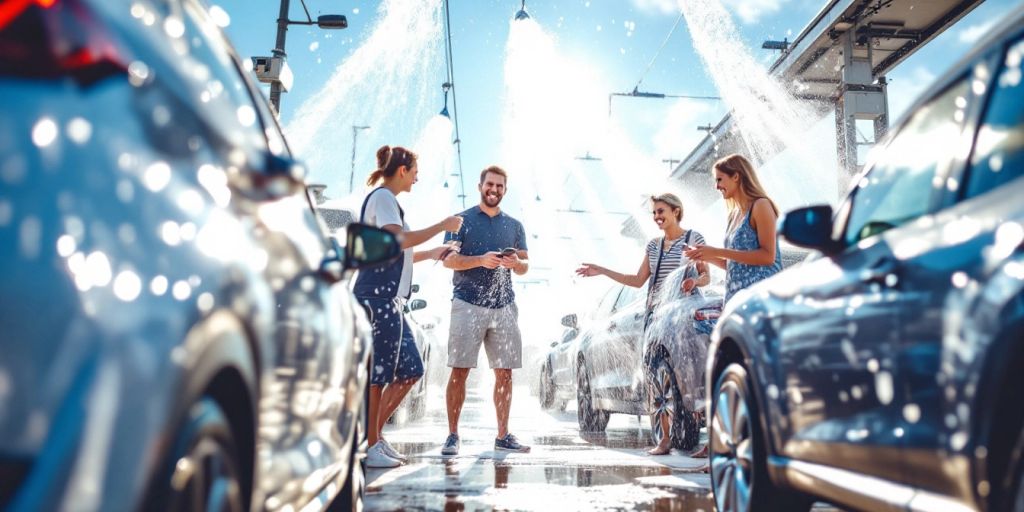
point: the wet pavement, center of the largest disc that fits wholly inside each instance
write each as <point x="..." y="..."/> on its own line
<point x="564" y="471"/>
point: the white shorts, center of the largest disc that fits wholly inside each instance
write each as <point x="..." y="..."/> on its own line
<point x="496" y="329"/>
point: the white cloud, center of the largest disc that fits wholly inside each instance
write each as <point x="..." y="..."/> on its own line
<point x="659" y="6"/>
<point x="751" y="11"/>
<point x="748" y="11"/>
<point x="970" y="35"/>
<point x="904" y="87"/>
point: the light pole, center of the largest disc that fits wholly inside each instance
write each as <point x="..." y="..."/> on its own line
<point x="352" y="175"/>
<point x="274" y="70"/>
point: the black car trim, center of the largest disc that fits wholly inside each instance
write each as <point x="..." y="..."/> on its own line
<point x="860" y="491"/>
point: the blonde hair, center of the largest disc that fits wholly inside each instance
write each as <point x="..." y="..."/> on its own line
<point x="737" y="164"/>
<point x="671" y="200"/>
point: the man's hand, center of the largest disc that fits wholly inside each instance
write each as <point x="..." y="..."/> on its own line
<point x="510" y="261"/>
<point x="491" y="260"/>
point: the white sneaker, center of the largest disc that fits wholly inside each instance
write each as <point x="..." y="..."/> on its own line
<point x="390" y="451"/>
<point x="376" y="457"/>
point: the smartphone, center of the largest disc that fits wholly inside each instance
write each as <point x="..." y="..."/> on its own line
<point x="508" y="251"/>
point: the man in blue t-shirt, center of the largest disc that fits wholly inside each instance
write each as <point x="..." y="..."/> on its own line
<point x="483" y="308"/>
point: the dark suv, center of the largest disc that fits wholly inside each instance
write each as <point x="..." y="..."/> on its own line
<point x="177" y="330"/>
<point x="885" y="374"/>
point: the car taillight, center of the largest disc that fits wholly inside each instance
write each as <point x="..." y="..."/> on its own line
<point x="47" y="39"/>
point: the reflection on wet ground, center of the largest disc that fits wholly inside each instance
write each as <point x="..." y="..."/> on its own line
<point x="564" y="471"/>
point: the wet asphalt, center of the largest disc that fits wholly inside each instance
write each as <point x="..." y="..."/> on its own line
<point x="564" y="471"/>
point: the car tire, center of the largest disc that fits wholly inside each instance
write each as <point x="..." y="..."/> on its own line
<point x="546" y="394"/>
<point x="590" y="418"/>
<point x="350" y="498"/>
<point x="203" y="465"/>
<point x="352" y="494"/>
<point x="668" y="399"/>
<point x="737" y="453"/>
<point x="1014" y="487"/>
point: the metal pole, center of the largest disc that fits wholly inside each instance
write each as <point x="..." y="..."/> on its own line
<point x="282" y="31"/>
<point x="352" y="174"/>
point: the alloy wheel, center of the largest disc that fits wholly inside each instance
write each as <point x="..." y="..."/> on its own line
<point x="664" y="396"/>
<point x="732" y="466"/>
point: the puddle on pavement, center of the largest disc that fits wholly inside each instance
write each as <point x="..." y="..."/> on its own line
<point x="486" y="484"/>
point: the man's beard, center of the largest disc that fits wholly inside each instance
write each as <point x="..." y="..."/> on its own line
<point x="486" y="199"/>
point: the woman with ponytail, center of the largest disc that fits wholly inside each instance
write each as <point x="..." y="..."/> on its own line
<point x="382" y="291"/>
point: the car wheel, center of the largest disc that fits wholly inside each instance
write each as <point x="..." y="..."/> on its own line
<point x="547" y="389"/>
<point x="1015" y="479"/>
<point x="590" y="419"/>
<point x="202" y="471"/>
<point x="668" y="400"/>
<point x="350" y="498"/>
<point x="738" y="457"/>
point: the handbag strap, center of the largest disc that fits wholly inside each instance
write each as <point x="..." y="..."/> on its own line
<point x="654" y="278"/>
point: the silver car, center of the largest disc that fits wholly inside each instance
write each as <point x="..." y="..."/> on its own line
<point x="177" y="329"/>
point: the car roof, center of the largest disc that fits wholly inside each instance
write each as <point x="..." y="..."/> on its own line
<point x="1006" y="29"/>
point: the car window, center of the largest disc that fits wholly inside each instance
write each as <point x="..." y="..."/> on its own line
<point x="999" y="148"/>
<point x="604" y="307"/>
<point x="900" y="186"/>
<point x="224" y="90"/>
<point x="627" y="297"/>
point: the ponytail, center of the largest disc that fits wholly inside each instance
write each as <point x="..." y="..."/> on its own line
<point x="389" y="159"/>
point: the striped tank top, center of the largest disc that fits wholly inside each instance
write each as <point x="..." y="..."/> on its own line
<point x="671" y="258"/>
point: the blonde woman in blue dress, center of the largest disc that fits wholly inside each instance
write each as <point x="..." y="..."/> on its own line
<point x="751" y="251"/>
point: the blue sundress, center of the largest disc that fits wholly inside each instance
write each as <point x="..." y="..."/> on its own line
<point x="740" y="275"/>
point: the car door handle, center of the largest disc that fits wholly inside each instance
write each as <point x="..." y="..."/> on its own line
<point x="879" y="272"/>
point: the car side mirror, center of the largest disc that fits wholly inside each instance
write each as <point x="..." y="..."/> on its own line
<point x="810" y="227"/>
<point x="415" y="288"/>
<point x="367" y="246"/>
<point x="417" y="304"/>
<point x="554" y="344"/>
<point x="569" y="321"/>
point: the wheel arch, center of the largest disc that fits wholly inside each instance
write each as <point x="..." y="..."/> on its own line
<point x="996" y="427"/>
<point x="220" y="362"/>
<point x="729" y="350"/>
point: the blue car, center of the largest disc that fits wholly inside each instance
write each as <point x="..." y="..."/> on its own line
<point x="885" y="373"/>
<point x="176" y="330"/>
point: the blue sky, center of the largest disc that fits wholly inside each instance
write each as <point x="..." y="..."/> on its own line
<point x="609" y="43"/>
<point x="616" y="39"/>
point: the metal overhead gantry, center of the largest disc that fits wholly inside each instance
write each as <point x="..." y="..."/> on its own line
<point x="841" y="58"/>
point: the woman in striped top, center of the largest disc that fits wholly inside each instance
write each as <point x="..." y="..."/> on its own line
<point x="662" y="256"/>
